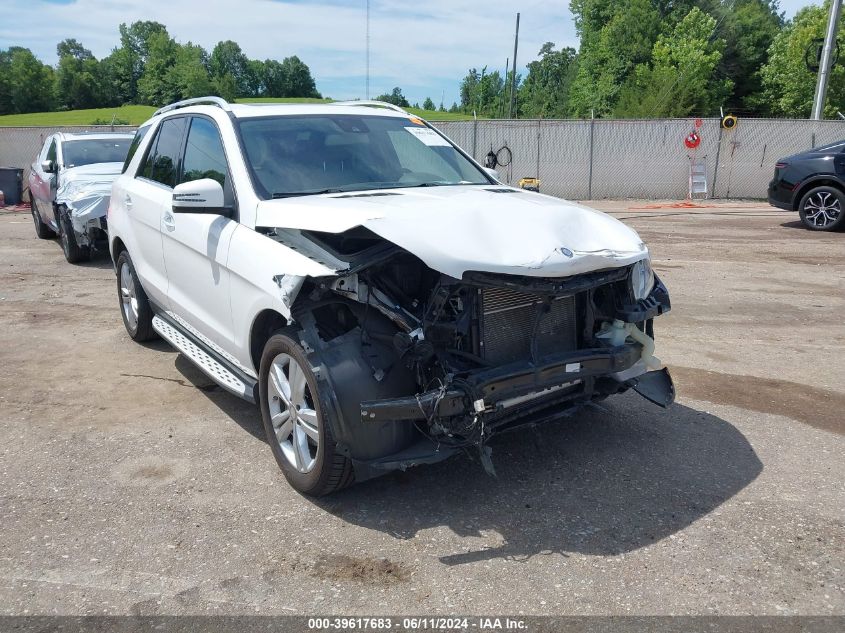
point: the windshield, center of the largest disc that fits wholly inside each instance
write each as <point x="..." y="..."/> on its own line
<point x="95" y="150"/>
<point x="309" y="154"/>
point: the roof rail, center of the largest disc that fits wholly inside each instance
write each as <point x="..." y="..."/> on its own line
<point x="217" y="101"/>
<point x="372" y="103"/>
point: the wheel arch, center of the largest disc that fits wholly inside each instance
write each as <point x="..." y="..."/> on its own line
<point x="117" y="247"/>
<point x="818" y="181"/>
<point x="264" y="325"/>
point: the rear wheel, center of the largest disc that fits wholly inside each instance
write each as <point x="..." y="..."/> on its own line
<point x="43" y="231"/>
<point x="294" y="421"/>
<point x="821" y="209"/>
<point x="134" y="305"/>
<point x="74" y="253"/>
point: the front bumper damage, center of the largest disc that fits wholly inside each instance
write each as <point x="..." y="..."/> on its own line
<point x="526" y="393"/>
<point x="86" y="203"/>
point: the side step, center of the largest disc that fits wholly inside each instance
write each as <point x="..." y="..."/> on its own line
<point x="220" y="372"/>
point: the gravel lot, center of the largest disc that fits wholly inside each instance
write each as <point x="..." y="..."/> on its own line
<point x="129" y="484"/>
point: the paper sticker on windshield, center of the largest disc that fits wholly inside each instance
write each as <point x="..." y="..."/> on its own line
<point x="428" y="136"/>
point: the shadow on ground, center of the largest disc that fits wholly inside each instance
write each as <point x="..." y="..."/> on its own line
<point x="603" y="482"/>
<point x="611" y="479"/>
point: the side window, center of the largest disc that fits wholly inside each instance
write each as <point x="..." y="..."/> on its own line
<point x="162" y="160"/>
<point x="133" y="147"/>
<point x="51" y="153"/>
<point x="204" y="156"/>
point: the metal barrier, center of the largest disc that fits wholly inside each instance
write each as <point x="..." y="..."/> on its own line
<point x="584" y="159"/>
<point x="604" y="158"/>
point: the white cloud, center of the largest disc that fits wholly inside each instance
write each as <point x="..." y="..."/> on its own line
<point x="426" y="49"/>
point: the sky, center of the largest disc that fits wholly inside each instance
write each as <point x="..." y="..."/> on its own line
<point x="425" y="49"/>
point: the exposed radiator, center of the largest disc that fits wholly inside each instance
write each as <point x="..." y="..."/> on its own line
<point x="510" y="319"/>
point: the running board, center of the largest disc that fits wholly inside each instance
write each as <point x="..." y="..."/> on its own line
<point x="215" y="368"/>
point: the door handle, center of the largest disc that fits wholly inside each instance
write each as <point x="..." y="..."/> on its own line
<point x="169" y="222"/>
<point x="127" y="200"/>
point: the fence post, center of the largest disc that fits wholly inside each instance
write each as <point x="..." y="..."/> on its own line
<point x="539" y="121"/>
<point x="474" y="138"/>
<point x="590" y="180"/>
<point x="716" y="168"/>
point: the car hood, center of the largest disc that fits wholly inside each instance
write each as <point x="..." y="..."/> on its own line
<point x="93" y="171"/>
<point x="455" y="229"/>
<point x="85" y="191"/>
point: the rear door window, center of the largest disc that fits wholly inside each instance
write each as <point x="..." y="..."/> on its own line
<point x="139" y="136"/>
<point x="162" y="163"/>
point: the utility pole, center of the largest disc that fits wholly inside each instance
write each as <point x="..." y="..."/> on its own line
<point x="513" y="78"/>
<point x="827" y="54"/>
<point x="505" y="98"/>
<point x="368" y="50"/>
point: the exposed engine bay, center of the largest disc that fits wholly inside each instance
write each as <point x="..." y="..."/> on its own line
<point x="422" y="364"/>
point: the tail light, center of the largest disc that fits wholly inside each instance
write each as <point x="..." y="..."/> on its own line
<point x="781" y="165"/>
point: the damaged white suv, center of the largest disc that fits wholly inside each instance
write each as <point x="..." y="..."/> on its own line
<point x="383" y="298"/>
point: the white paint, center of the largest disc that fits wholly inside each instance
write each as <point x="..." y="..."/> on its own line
<point x="463" y="228"/>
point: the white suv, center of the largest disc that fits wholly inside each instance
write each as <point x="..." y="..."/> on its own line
<point x="381" y="296"/>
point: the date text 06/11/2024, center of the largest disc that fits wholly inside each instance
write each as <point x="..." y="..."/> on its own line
<point x="422" y="623"/>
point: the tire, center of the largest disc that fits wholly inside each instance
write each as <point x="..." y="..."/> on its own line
<point x="823" y="209"/>
<point x="132" y="301"/>
<point x="74" y="253"/>
<point x="43" y="231"/>
<point x="316" y="468"/>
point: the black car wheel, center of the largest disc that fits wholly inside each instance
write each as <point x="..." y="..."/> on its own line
<point x="74" y="252"/>
<point x="821" y="209"/>
<point x="43" y="231"/>
<point x="294" y="421"/>
<point x="134" y="305"/>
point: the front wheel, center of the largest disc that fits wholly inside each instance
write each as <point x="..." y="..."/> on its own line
<point x="821" y="209"/>
<point x="294" y="421"/>
<point x="74" y="252"/>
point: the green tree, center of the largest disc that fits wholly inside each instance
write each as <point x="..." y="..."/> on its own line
<point x="26" y="84"/>
<point x="748" y="27"/>
<point x="545" y="91"/>
<point x="157" y="85"/>
<point x="680" y="80"/>
<point x="615" y="38"/>
<point x="81" y="81"/>
<point x="483" y="93"/>
<point x="788" y="86"/>
<point x="300" y="83"/>
<point x="428" y="104"/>
<point x="127" y="61"/>
<point x="189" y="74"/>
<point x="395" y="97"/>
<point x="229" y="66"/>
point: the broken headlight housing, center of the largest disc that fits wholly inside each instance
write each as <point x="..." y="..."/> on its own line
<point x="642" y="278"/>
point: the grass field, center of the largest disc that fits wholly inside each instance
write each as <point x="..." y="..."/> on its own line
<point x="137" y="114"/>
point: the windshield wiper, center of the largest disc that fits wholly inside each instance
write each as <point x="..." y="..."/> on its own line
<point x="294" y="194"/>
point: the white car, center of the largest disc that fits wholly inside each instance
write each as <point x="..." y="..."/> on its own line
<point x="69" y="187"/>
<point x="381" y="296"/>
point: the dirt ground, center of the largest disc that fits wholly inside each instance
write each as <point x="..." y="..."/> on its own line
<point x="130" y="484"/>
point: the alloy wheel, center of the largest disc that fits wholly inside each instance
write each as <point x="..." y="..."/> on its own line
<point x="293" y="413"/>
<point x="129" y="301"/>
<point x="822" y="209"/>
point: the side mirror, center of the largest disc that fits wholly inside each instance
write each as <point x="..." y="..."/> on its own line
<point x="48" y="166"/>
<point x="200" y="196"/>
<point x="492" y="173"/>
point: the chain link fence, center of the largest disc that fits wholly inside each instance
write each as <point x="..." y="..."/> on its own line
<point x="589" y="159"/>
<point x="605" y="158"/>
